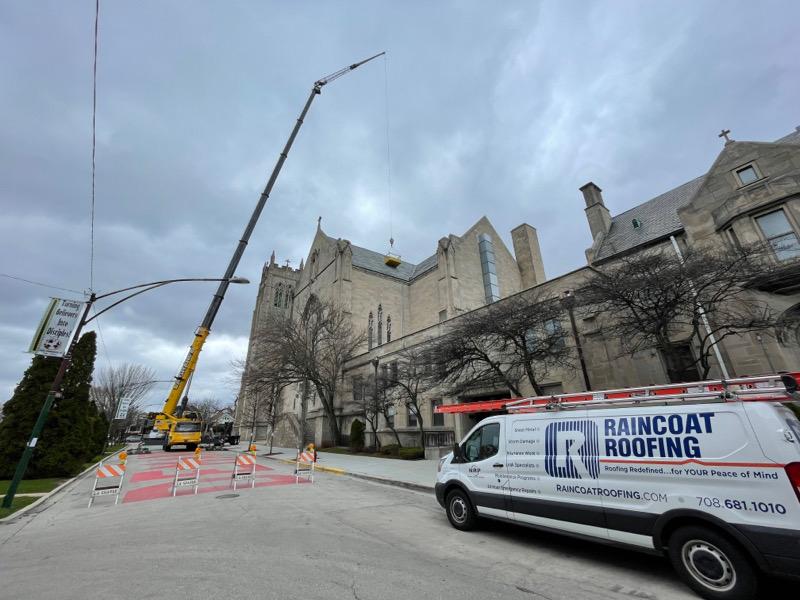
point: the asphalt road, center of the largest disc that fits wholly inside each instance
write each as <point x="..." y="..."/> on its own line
<point x="337" y="538"/>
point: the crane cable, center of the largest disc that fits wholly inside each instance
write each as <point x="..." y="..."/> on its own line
<point x="94" y="142"/>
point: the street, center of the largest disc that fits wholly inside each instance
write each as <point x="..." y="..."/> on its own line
<point x="339" y="537"/>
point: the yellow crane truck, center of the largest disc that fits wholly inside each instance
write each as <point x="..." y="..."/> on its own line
<point x="176" y="425"/>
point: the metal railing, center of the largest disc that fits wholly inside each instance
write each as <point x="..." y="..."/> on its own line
<point x="439" y="439"/>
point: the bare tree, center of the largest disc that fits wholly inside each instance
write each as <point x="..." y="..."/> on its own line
<point x="518" y="338"/>
<point x="407" y="380"/>
<point x="112" y="384"/>
<point x="655" y="299"/>
<point x="261" y="384"/>
<point x="312" y="348"/>
<point x="372" y="399"/>
<point x="205" y="409"/>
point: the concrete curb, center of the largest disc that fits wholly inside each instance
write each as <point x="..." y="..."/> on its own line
<point x="374" y="478"/>
<point x="33" y="505"/>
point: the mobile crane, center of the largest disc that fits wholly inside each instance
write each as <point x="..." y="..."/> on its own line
<point x="176" y="425"/>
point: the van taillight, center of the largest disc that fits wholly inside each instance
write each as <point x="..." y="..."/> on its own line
<point x="793" y="471"/>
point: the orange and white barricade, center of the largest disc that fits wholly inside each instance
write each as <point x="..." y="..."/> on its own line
<point x="305" y="465"/>
<point x="107" y="481"/>
<point x="187" y="473"/>
<point x="244" y="469"/>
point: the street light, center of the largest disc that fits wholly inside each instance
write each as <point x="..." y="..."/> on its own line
<point x="54" y="392"/>
<point x="568" y="301"/>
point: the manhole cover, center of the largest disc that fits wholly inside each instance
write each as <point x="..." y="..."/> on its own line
<point x="226" y="496"/>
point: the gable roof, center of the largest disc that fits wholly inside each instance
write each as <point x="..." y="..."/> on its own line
<point x="370" y="260"/>
<point x="658" y="217"/>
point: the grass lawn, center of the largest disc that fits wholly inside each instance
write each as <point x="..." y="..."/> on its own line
<point x="346" y="450"/>
<point x="19" y="502"/>
<point x="32" y="486"/>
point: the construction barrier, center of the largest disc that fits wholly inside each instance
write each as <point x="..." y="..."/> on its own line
<point x="187" y="473"/>
<point x="105" y="474"/>
<point x="305" y="465"/>
<point x="244" y="469"/>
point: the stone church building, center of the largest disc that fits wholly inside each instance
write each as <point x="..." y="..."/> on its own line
<point x="750" y="193"/>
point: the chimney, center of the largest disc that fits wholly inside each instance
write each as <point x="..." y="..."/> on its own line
<point x="528" y="254"/>
<point x="596" y="212"/>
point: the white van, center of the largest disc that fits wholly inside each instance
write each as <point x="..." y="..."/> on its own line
<point x="713" y="483"/>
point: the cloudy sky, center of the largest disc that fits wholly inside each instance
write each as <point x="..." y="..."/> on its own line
<point x="501" y="109"/>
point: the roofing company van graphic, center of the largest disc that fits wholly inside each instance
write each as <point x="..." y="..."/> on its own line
<point x="571" y="450"/>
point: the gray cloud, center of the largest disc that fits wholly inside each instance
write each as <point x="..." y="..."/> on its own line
<point x="502" y="109"/>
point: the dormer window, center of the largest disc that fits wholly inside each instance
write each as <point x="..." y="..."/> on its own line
<point x="747" y="174"/>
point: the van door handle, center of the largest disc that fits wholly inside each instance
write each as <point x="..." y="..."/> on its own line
<point x="497" y="465"/>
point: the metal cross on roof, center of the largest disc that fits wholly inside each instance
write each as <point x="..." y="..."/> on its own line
<point x="724" y="133"/>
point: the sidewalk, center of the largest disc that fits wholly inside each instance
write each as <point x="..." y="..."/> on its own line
<point x="414" y="474"/>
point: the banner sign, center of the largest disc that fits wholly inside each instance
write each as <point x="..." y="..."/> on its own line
<point x="56" y="327"/>
<point x="122" y="409"/>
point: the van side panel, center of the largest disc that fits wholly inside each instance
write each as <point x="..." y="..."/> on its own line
<point x="545" y="451"/>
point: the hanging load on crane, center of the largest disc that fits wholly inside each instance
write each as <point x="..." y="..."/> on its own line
<point x="176" y="426"/>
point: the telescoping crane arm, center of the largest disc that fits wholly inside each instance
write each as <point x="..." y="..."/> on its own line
<point x="202" y="332"/>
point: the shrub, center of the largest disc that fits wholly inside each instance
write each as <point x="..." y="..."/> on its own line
<point x="357" y="435"/>
<point x="390" y="449"/>
<point x="411" y="453"/>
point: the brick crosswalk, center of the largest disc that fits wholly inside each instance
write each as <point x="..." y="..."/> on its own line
<point x="150" y="476"/>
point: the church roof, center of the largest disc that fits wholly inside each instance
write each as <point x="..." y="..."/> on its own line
<point x="657" y="217"/>
<point x="405" y="271"/>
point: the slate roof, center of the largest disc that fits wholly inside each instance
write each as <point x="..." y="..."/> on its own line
<point x="792" y="138"/>
<point x="658" y="216"/>
<point x="405" y="271"/>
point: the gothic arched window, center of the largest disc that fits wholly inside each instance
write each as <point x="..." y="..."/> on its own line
<point x="278" y="296"/>
<point x="370" y="326"/>
<point x="288" y="299"/>
<point x="380" y="324"/>
<point x="388" y="329"/>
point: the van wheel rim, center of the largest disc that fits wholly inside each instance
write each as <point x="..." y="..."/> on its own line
<point x="458" y="509"/>
<point x="708" y="565"/>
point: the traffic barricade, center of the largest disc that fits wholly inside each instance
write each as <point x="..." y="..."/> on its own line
<point x="107" y="481"/>
<point x="244" y="469"/>
<point x="304" y="466"/>
<point x="187" y="473"/>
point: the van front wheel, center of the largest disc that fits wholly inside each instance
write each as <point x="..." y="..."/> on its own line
<point x="712" y="565"/>
<point x="459" y="510"/>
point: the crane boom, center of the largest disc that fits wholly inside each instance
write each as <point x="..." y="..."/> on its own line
<point x="167" y="415"/>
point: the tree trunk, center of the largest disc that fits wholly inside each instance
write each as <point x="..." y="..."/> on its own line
<point x="421" y="431"/>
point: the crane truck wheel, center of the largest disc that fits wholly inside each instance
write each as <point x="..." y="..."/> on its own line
<point x="166" y="447"/>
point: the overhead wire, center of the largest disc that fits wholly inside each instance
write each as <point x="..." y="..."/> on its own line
<point x="47" y="285"/>
<point x="388" y="147"/>
<point x="94" y="142"/>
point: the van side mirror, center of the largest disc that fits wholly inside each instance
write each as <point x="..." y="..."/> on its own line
<point x="457" y="453"/>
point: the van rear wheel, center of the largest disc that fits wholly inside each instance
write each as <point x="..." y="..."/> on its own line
<point x="712" y="565"/>
<point x="459" y="510"/>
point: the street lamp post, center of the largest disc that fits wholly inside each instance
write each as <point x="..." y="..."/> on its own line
<point x="55" y="391"/>
<point x="568" y="302"/>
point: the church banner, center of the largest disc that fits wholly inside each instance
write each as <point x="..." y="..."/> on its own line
<point x="56" y="327"/>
